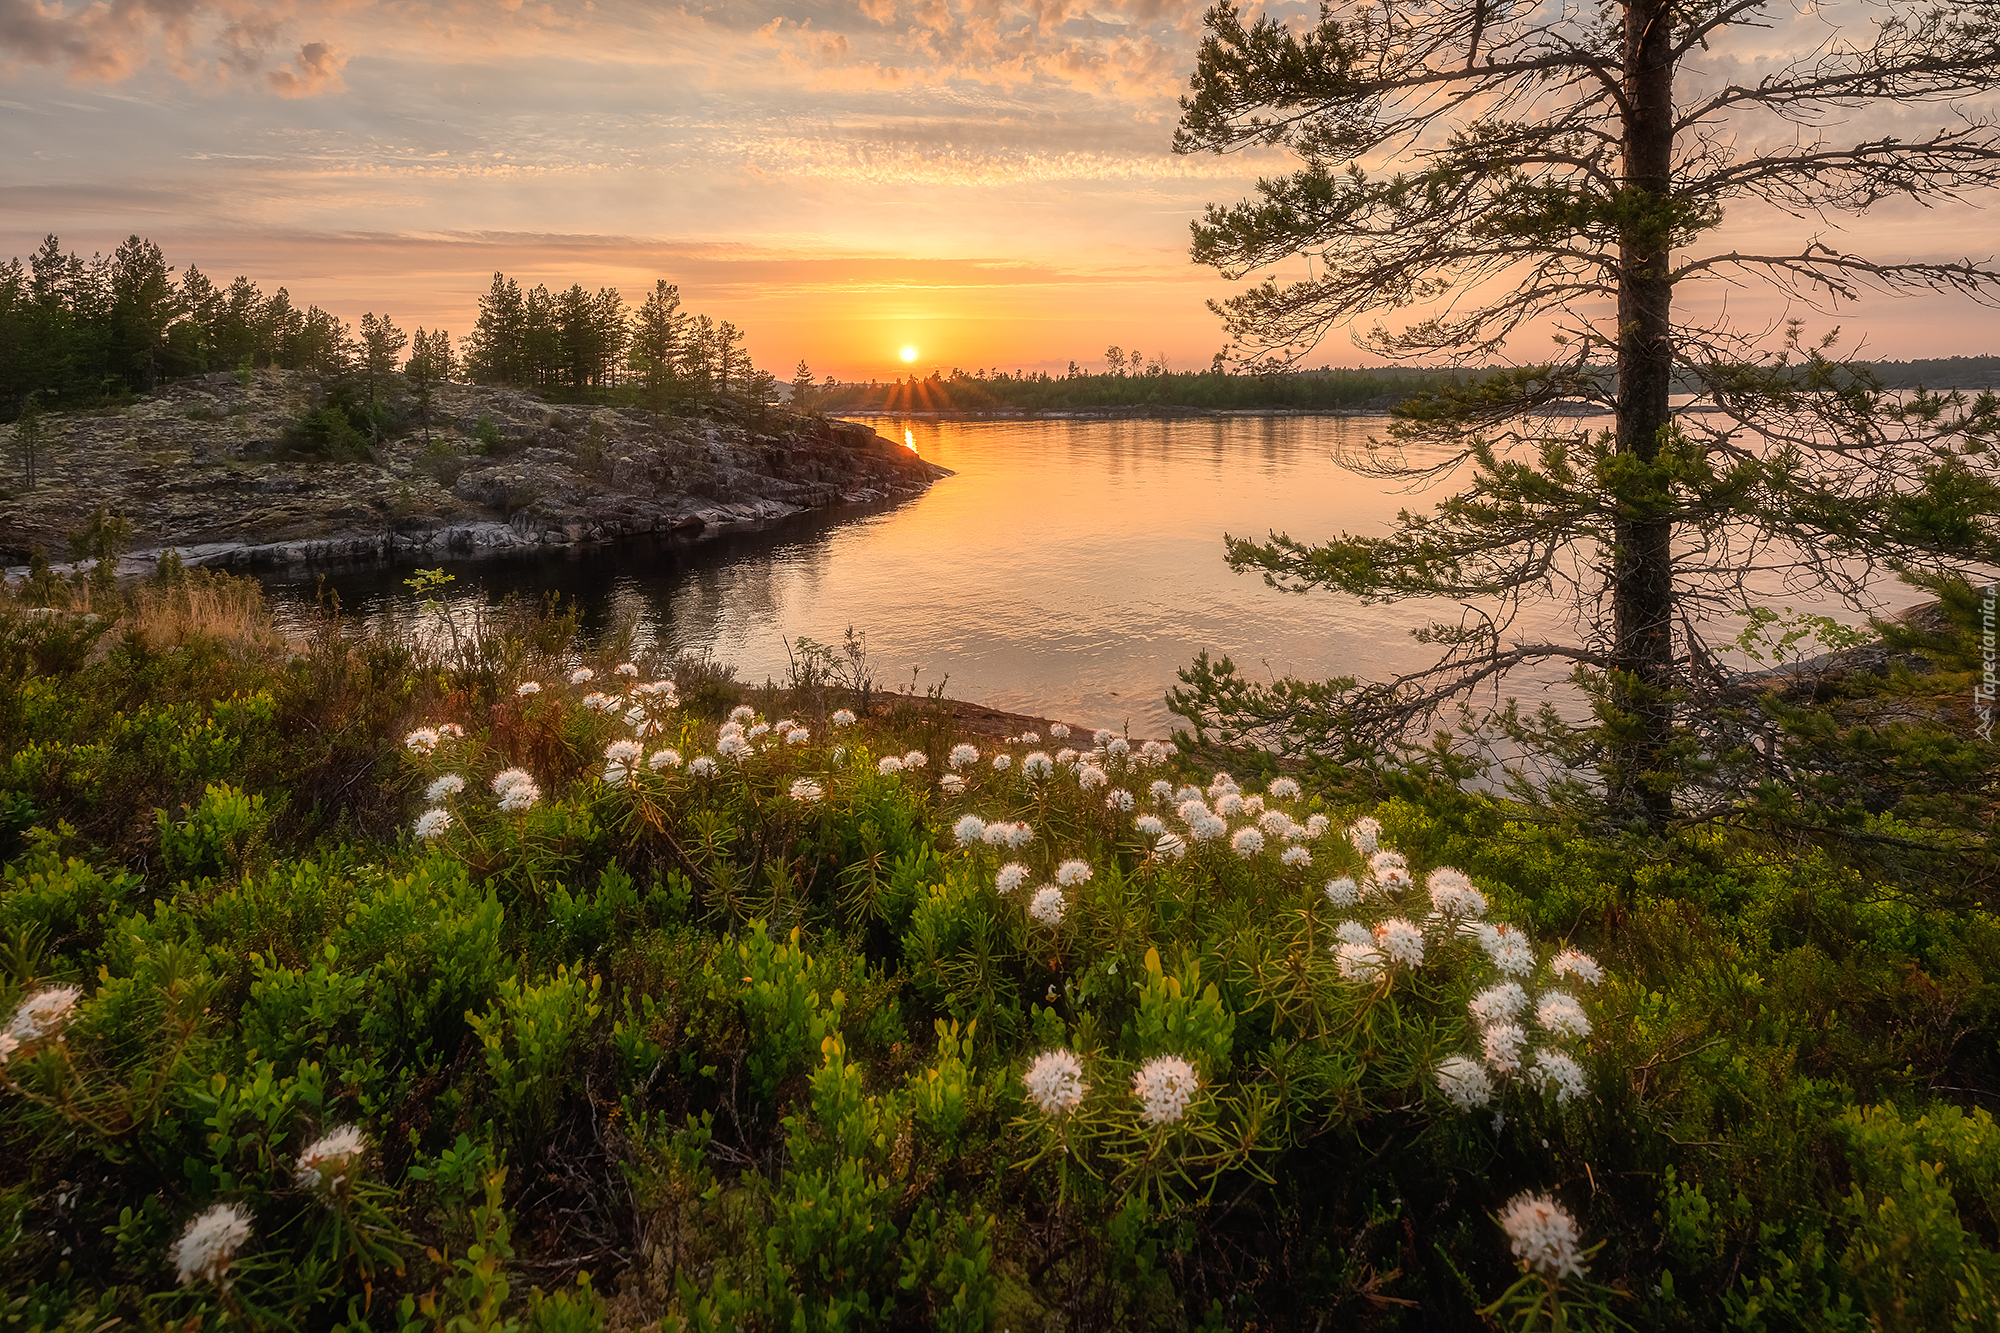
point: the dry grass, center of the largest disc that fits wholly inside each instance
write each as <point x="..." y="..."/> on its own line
<point x="203" y="605"/>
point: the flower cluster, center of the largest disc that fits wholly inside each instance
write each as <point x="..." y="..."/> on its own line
<point x="208" y="1245"/>
<point x="1164" y="1086"/>
<point x="38" y="1017"/>
<point x="331" y="1160"/>
<point x="1546" y="1239"/>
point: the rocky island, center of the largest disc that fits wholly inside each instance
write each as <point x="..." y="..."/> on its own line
<point x="240" y="472"/>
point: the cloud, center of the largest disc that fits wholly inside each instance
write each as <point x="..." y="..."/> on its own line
<point x="315" y="70"/>
<point x="111" y="40"/>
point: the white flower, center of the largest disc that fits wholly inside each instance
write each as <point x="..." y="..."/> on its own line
<point x="1387" y="862"/>
<point x="1296" y="856"/>
<point x="1207" y="828"/>
<point x="1090" y="777"/>
<point x="509" y="778"/>
<point x="1002" y="762"/>
<point x="1010" y="877"/>
<point x="999" y="834"/>
<point x="733" y="746"/>
<point x="9" y="1044"/>
<point x="1149" y="826"/>
<point x="968" y="830"/>
<point x="1253" y="806"/>
<point x="1192" y="810"/>
<point x="43" y="1014"/>
<point x="1059" y="731"/>
<point x="729" y="728"/>
<point x="742" y="713"/>
<point x="1037" y="766"/>
<point x="1501" y="1045"/>
<point x="1120" y="800"/>
<point x="1465" y="1082"/>
<point x="432" y="824"/>
<point x="1556" y="1072"/>
<point x="520" y="797"/>
<point x="1343" y="892"/>
<point x="1364" y="833"/>
<point x="211" y="1240"/>
<point x="1570" y="963"/>
<point x="1164" y="1086"/>
<point x="1117" y="747"/>
<point x="806" y="790"/>
<point x="626" y="669"/>
<point x="626" y="753"/>
<point x="1317" y="825"/>
<point x="1073" y="872"/>
<point x="1171" y="847"/>
<point x="843" y="717"/>
<point x="1247" y="842"/>
<point x="581" y="674"/>
<point x="1544" y="1236"/>
<point x="450" y="731"/>
<point x="600" y="702"/>
<point x="331" y="1159"/>
<point x="762" y="728"/>
<point x="1275" y="823"/>
<point x="951" y="784"/>
<point x="1031" y="738"/>
<point x="1400" y="941"/>
<point x="1048" y="905"/>
<point x="1103" y="736"/>
<point x="1055" y="1082"/>
<point x="1191" y="793"/>
<point x="961" y="756"/>
<point x="663" y="760"/>
<point x="1161" y="791"/>
<point x="451" y="784"/>
<point x="1561" y="1014"/>
<point x="1353" y="932"/>
<point x="703" y="767"/>
<point x="1508" y="948"/>
<point x="1151" y="753"/>
<point x="527" y="687"/>
<point x="1498" y="1004"/>
<point x="421" y="741"/>
<point x="1019" y="835"/>
<point x="1358" y="962"/>
<point x="1452" y="893"/>
<point x="916" y="759"/>
<point x="1283" y="789"/>
<point x="1229" y="805"/>
<point x="889" y="765"/>
<point x="797" y="736"/>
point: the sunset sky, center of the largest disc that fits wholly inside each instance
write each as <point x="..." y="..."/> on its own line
<point x="988" y="181"/>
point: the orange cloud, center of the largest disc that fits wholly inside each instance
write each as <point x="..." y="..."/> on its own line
<point x="315" y="70"/>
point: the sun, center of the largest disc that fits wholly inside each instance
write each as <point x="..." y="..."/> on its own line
<point x="909" y="354"/>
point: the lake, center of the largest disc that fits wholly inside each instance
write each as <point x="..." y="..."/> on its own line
<point x="1068" y="569"/>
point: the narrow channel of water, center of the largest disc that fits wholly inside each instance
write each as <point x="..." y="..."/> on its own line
<point x="1068" y="569"/>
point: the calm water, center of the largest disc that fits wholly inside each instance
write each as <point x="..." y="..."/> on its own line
<point x="1067" y="569"/>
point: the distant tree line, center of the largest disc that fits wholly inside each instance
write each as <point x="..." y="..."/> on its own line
<point x="1147" y="385"/>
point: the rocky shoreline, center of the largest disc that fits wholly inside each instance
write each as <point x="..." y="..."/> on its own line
<point x="215" y="469"/>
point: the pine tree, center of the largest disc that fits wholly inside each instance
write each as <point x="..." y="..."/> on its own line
<point x="1562" y="167"/>
<point x="431" y="363"/>
<point x="381" y="344"/>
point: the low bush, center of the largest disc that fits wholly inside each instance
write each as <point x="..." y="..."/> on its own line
<point x="501" y="982"/>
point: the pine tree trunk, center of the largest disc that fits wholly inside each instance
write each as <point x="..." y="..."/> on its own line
<point x="1642" y="570"/>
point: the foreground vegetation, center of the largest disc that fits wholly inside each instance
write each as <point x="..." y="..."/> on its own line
<point x="728" y="1026"/>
